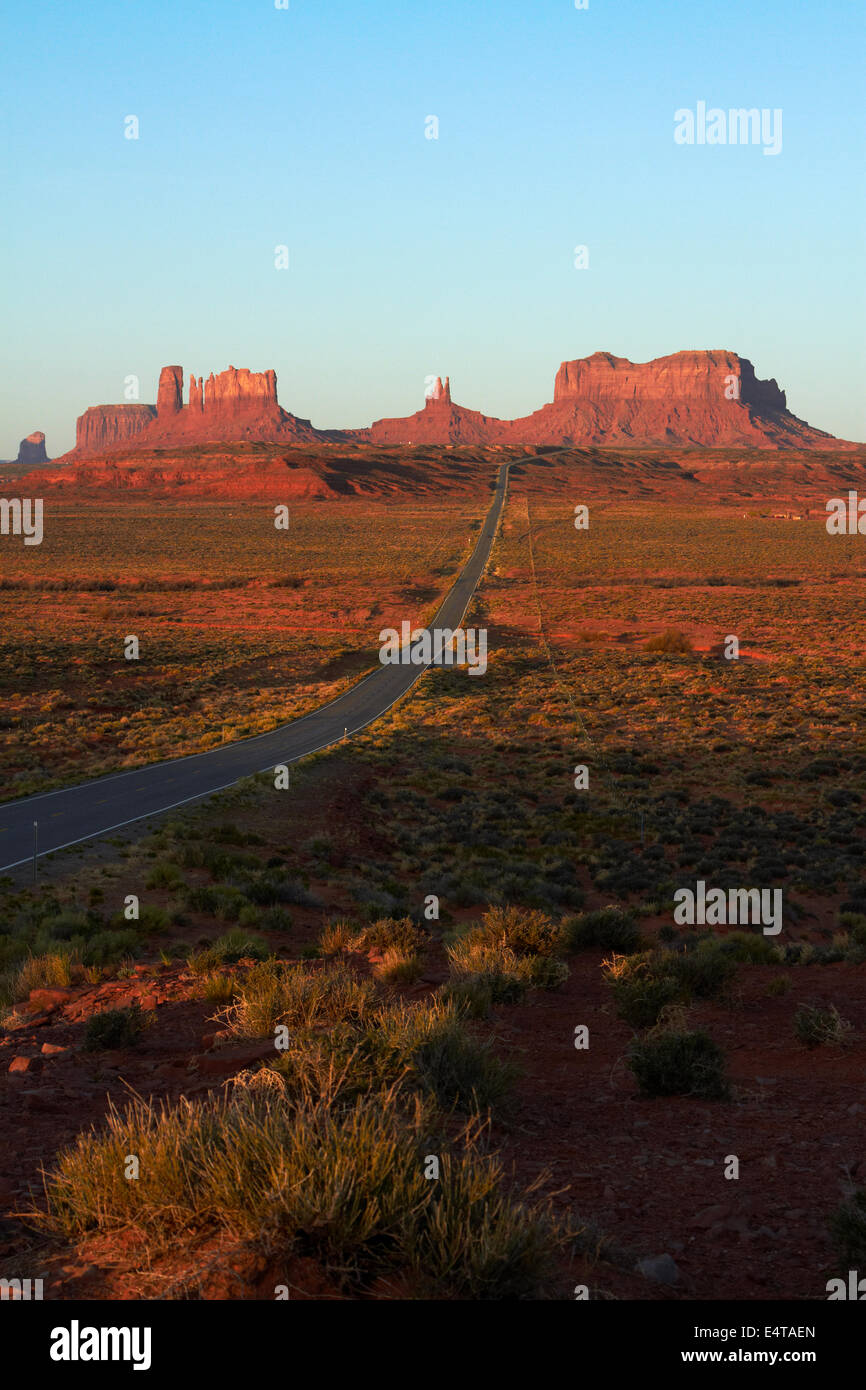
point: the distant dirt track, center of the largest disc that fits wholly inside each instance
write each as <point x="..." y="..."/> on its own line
<point x="84" y="812"/>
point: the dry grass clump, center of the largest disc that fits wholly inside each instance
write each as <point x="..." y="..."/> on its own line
<point x="370" y="1190"/>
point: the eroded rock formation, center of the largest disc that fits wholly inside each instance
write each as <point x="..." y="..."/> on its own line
<point x="236" y="404"/>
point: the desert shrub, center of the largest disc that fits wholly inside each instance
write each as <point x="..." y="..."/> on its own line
<point x="346" y="1186"/>
<point x="230" y="903"/>
<point x="201" y="898"/>
<point x="640" y="998"/>
<point x="705" y="972"/>
<point x="526" y="931"/>
<point x="669" y="641"/>
<point x="71" y="922"/>
<point x="336" y="937"/>
<point x="425" y="1048"/>
<point x="815" y="1026"/>
<point x="389" y="931"/>
<point x="644" y="983"/>
<point x="109" y="947"/>
<point x="848" y="1230"/>
<point x="54" y="969"/>
<point x="780" y="984"/>
<point x="227" y="833"/>
<point x="275" y="919"/>
<point x="164" y="874"/>
<point x="398" y="967"/>
<point x="298" y="996"/>
<point x="854" y="923"/>
<point x="445" y="1059"/>
<point x="114" y="1028"/>
<point x="472" y="995"/>
<point x="232" y="946"/>
<point x="504" y="974"/>
<point x="270" y="887"/>
<point x="669" y="1063"/>
<point x="608" y="929"/>
<point x="750" y="948"/>
<point x="546" y="972"/>
<point x="218" y="987"/>
<point x="150" y="919"/>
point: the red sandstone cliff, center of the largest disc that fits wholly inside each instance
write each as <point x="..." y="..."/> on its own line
<point x="106" y="426"/>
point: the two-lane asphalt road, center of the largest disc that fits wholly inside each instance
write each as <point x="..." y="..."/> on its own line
<point x="90" y="809"/>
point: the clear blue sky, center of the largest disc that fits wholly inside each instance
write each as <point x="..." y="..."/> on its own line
<point x="410" y="256"/>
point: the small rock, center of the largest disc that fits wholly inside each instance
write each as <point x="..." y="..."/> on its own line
<point x="53" y="1049"/>
<point x="21" y="1065"/>
<point x="148" y="1002"/>
<point x="660" y="1268"/>
<point x="710" y="1216"/>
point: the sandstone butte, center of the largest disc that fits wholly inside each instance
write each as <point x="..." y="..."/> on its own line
<point x="692" y="398"/>
<point x="32" y="449"/>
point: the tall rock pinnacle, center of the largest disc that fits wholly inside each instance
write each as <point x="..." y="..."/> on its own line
<point x="169" y="397"/>
<point x="439" y="392"/>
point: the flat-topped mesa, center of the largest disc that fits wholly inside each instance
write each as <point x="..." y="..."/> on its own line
<point x="169" y="397"/>
<point x="707" y="398"/>
<point x="695" y="376"/>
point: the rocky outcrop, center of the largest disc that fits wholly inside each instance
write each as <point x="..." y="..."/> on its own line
<point x="104" y="427"/>
<point x="32" y="449"/>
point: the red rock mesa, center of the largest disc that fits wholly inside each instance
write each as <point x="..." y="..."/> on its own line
<point x="700" y="398"/>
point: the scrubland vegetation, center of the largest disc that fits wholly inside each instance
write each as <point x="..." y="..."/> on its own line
<point x="300" y="915"/>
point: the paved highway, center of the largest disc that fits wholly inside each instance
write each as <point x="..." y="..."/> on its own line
<point x="95" y="808"/>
